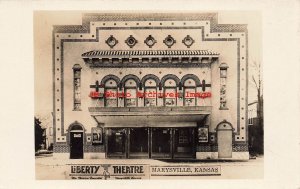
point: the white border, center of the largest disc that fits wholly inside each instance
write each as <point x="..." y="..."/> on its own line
<point x="281" y="89"/>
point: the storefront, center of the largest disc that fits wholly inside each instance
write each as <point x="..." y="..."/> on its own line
<point x="158" y="86"/>
<point x="159" y="143"/>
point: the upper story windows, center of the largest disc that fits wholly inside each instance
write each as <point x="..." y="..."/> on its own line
<point x="149" y="91"/>
<point x="76" y="87"/>
<point x="130" y="90"/>
<point x="170" y="92"/>
<point x="110" y="93"/>
<point x="189" y="92"/>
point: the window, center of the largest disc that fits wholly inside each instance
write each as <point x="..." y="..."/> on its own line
<point x="150" y="93"/>
<point x="250" y="120"/>
<point x="223" y="76"/>
<point x="190" y="93"/>
<point x="111" y="93"/>
<point x="130" y="91"/>
<point x="76" y="86"/>
<point x="183" y="137"/>
<point x="170" y="93"/>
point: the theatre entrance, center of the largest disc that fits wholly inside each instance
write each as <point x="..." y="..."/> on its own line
<point x="116" y="143"/>
<point x="138" y="143"/>
<point x="161" y="143"/>
<point x="184" y="146"/>
<point x="155" y="143"/>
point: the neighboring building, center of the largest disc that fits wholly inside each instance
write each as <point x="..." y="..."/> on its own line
<point x="150" y="86"/>
<point x="252" y="113"/>
<point x="49" y="137"/>
<point x="255" y="129"/>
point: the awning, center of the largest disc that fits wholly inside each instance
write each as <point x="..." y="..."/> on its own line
<point x="150" y="117"/>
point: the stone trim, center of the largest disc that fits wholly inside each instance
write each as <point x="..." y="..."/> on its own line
<point x="193" y="77"/>
<point x="109" y="77"/>
<point x="170" y="76"/>
<point x="150" y="76"/>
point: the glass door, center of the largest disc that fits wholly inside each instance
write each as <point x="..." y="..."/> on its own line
<point x="161" y="143"/>
<point x="116" y="143"/>
<point x="184" y="143"/>
<point x="138" y="143"/>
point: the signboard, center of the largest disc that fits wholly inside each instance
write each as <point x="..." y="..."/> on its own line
<point x="97" y="135"/>
<point x="138" y="171"/>
<point x="203" y="134"/>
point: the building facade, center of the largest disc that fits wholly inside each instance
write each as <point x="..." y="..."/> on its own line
<point x="161" y="86"/>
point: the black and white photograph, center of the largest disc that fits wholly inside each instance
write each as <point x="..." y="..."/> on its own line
<point x="148" y="96"/>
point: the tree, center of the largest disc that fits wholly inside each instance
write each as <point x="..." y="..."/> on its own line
<point x="258" y="144"/>
<point x="39" y="134"/>
<point x="46" y="124"/>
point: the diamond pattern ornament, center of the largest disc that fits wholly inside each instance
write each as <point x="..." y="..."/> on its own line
<point x="188" y="41"/>
<point x="150" y="41"/>
<point x="111" y="41"/>
<point x="131" y="41"/>
<point x="169" y="41"/>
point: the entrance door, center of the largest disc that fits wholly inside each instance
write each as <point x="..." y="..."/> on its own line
<point x="184" y="143"/>
<point x="138" y="143"/>
<point x="116" y="144"/>
<point x="76" y="145"/>
<point x="161" y="143"/>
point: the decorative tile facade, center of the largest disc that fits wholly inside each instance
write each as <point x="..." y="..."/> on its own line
<point x="206" y="24"/>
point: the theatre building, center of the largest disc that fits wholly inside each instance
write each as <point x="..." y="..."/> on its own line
<point x="157" y="86"/>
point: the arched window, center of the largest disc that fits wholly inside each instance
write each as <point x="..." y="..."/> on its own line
<point x="111" y="93"/>
<point x="130" y="90"/>
<point x="170" y="92"/>
<point x="189" y="92"/>
<point x="77" y="87"/>
<point x="150" y="93"/>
